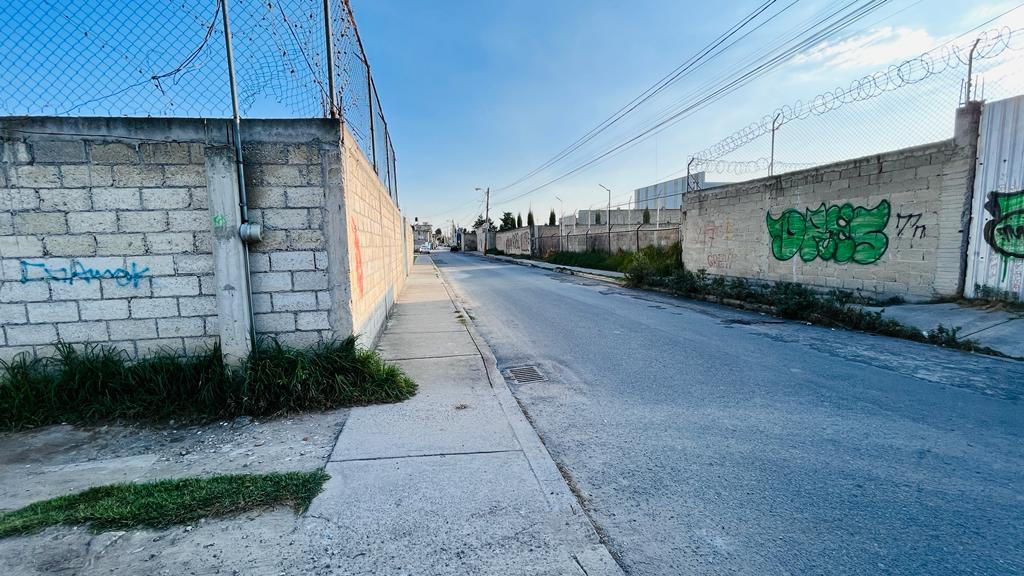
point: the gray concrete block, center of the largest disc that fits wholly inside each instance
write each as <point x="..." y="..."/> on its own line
<point x="37" y="176"/>
<point x="271" y="281"/>
<point x="65" y="200"/>
<point x="116" y="199"/>
<point x="127" y="244"/>
<point x="286" y="218"/>
<point x="176" y="327"/>
<point x="312" y="321"/>
<point x="154" y="307"/>
<point x="132" y="329"/>
<point x="298" y="340"/>
<point x="198" y="306"/>
<point x="46" y="312"/>
<point x="157" y="265"/>
<point x="85" y="176"/>
<point x="28" y="334"/>
<point x="20" y="247"/>
<point x="274" y="322"/>
<point x="19" y="199"/>
<point x="27" y="292"/>
<point x="160" y="346"/>
<point x="305" y="197"/>
<point x="103" y="309"/>
<point x="138" y="176"/>
<point x="164" y="152"/>
<point x="259" y="262"/>
<point x="193" y="263"/>
<point x="312" y="280"/>
<point x="190" y="220"/>
<point x="306" y="240"/>
<point x="166" y="198"/>
<point x="83" y="332"/>
<point x="170" y="242"/>
<point x="91" y="222"/>
<point x="12" y="314"/>
<point x="175" y="286"/>
<point x="80" y="290"/>
<point x="142" y="221"/>
<point x="187" y="175"/>
<point x="74" y="245"/>
<point x="113" y="153"/>
<point x="294" y="301"/>
<point x="297" y="260"/>
<point x="58" y="151"/>
<point x="40" y="223"/>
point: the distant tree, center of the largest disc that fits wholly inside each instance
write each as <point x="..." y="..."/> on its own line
<point x="597" y="217"/>
<point x="438" y="233"/>
<point x="480" y="222"/>
<point x="529" y="218"/>
<point x="519" y="220"/>
<point x="507" y="221"/>
<point x="551" y="218"/>
<point x="647" y="216"/>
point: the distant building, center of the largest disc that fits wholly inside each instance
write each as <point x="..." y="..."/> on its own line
<point x="668" y="194"/>
<point x="422" y="232"/>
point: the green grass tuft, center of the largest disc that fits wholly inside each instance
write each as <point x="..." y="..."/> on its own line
<point x="166" y="502"/>
<point x="91" y="384"/>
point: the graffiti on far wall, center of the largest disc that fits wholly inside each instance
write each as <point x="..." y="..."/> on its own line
<point x="842" y="233"/>
<point x="1005" y="231"/>
<point x="39" y="271"/>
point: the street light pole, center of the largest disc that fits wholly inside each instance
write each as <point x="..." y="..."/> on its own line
<point x="487" y="214"/>
<point x="608" y="225"/>
<point x="561" y="222"/>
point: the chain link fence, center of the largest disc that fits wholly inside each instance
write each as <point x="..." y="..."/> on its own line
<point x="168" y="58"/>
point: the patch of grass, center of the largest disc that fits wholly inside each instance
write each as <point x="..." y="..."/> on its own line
<point x="91" y="384"/>
<point x="839" y="308"/>
<point x="596" y="259"/>
<point x="166" y="502"/>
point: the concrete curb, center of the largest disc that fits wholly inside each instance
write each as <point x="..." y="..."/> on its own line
<point x="591" y="555"/>
<point x="603" y="275"/>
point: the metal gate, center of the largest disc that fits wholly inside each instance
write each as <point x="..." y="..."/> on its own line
<point x="995" y="260"/>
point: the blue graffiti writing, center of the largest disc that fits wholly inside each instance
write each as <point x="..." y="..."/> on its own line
<point x="39" y="272"/>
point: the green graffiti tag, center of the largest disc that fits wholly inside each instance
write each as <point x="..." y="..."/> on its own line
<point x="840" y="233"/>
<point x="1005" y="231"/>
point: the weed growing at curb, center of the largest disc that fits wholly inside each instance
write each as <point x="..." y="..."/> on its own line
<point x="93" y="383"/>
<point x="166" y="503"/>
<point x="661" y="268"/>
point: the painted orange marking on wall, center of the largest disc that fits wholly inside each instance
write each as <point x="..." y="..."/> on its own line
<point x="359" y="257"/>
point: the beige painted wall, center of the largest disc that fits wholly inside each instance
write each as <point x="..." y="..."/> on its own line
<point x="379" y="242"/>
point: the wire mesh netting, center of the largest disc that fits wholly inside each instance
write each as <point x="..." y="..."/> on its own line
<point x="168" y="58"/>
<point x="910" y="104"/>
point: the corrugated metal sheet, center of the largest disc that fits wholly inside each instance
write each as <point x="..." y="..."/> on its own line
<point x="995" y="260"/>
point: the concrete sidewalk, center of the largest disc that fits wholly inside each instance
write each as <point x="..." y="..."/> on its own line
<point x="591" y="272"/>
<point x="454" y="480"/>
<point x="997" y="328"/>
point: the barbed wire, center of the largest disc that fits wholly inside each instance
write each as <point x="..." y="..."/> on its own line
<point x="990" y="44"/>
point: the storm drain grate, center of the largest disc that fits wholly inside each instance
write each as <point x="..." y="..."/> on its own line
<point x="524" y="374"/>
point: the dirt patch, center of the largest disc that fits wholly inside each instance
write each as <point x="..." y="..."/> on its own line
<point x="56" y="460"/>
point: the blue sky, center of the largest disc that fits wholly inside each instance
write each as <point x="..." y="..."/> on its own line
<point x="478" y="93"/>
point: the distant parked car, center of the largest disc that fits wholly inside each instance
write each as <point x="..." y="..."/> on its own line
<point x="424" y="248"/>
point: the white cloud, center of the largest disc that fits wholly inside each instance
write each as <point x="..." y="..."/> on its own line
<point x="874" y="49"/>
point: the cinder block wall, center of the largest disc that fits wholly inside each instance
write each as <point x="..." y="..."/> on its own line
<point x="380" y="243"/>
<point x="726" y="231"/>
<point x="105" y="234"/>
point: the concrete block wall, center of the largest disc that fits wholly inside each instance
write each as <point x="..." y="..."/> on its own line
<point x="380" y="243"/>
<point x="104" y="240"/>
<point x="105" y="234"/>
<point x="725" y="229"/>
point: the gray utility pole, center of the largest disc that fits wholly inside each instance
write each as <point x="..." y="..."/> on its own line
<point x="608" y="225"/>
<point x="487" y="214"/>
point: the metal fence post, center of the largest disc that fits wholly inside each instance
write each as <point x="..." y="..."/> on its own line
<point x="373" y="135"/>
<point x="329" y="37"/>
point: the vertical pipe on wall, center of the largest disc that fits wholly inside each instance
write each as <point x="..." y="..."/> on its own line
<point x="243" y="229"/>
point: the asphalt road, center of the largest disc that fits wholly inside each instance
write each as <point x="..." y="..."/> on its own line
<point x="707" y="440"/>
